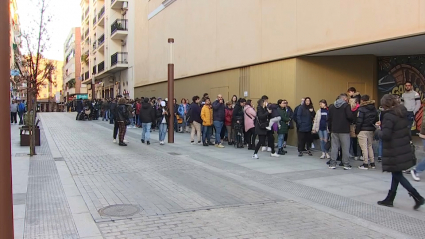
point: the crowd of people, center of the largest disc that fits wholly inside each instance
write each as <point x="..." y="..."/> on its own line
<point x="346" y="128"/>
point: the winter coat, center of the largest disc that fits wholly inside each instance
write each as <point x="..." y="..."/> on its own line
<point x="122" y="113"/>
<point x="317" y="119"/>
<point x="181" y="109"/>
<point x="238" y="114"/>
<point x="273" y="108"/>
<point x="219" y="112"/>
<point x="366" y="117"/>
<point x="228" y="117"/>
<point x="249" y="117"/>
<point x="396" y="150"/>
<point x="138" y="107"/>
<point x="147" y="113"/>
<point x="195" y="113"/>
<point x="305" y="119"/>
<point x="283" y="123"/>
<point x="340" y="117"/>
<point x="207" y="115"/>
<point x="262" y="117"/>
<point x="160" y="116"/>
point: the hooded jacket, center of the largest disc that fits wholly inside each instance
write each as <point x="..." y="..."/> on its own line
<point x="396" y="150"/>
<point x="147" y="113"/>
<point x="366" y="117"/>
<point x="340" y="117"/>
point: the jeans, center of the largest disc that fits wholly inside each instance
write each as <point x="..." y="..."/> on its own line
<point x="421" y="166"/>
<point x="206" y="134"/>
<point x="324" y="136"/>
<point x="218" y="125"/>
<point x="162" y="131"/>
<point x="410" y="119"/>
<point x="380" y="148"/>
<point x="13" y="118"/>
<point x="343" y="141"/>
<point x="398" y="178"/>
<point x="146" y="131"/>
<point x="280" y="138"/>
<point x="132" y="122"/>
<point x="111" y="118"/>
<point x="21" y="120"/>
<point x="116" y="127"/>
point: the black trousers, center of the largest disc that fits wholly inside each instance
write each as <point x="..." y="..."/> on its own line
<point x="262" y="141"/>
<point x="250" y="137"/>
<point x="116" y="127"/>
<point x="304" y="141"/>
<point x="13" y="118"/>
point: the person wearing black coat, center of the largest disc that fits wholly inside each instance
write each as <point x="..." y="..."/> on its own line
<point x="261" y="122"/>
<point x="121" y="118"/>
<point x="397" y="152"/>
<point x="365" y="127"/>
<point x="305" y="116"/>
<point x="147" y="116"/>
<point x="195" y="119"/>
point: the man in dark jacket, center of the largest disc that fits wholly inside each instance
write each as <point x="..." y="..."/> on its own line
<point x="195" y="119"/>
<point x="114" y="116"/>
<point x="339" y="120"/>
<point x="147" y="116"/>
<point x="218" y="119"/>
<point x="238" y="121"/>
<point x="365" y="127"/>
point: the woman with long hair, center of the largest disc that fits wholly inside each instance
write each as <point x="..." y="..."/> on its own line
<point x="397" y="153"/>
<point x="261" y="122"/>
<point x="305" y="116"/>
<point x="234" y="101"/>
<point x="320" y="127"/>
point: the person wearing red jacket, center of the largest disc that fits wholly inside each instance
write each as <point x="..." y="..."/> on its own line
<point x="138" y="107"/>
<point x="228" y="122"/>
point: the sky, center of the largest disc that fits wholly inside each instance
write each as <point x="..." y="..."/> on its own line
<point x="65" y="15"/>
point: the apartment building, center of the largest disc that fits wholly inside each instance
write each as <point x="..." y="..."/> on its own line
<point x="17" y="88"/>
<point x="72" y="87"/>
<point x="282" y="48"/>
<point x="107" y="47"/>
<point x="49" y="92"/>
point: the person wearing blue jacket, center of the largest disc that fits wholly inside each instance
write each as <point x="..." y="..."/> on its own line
<point x="218" y="119"/>
<point x="305" y="116"/>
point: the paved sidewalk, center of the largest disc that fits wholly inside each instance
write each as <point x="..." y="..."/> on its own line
<point x="189" y="191"/>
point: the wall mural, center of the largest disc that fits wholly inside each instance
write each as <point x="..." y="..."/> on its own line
<point x="393" y="72"/>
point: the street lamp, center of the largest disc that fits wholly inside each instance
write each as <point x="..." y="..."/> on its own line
<point x="171" y="91"/>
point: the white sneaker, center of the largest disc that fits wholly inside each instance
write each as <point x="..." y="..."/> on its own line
<point x="220" y="146"/>
<point x="263" y="149"/>
<point x="126" y="141"/>
<point x="269" y="128"/>
<point x="328" y="156"/>
<point x="415" y="175"/>
<point x="275" y="155"/>
<point x="255" y="156"/>
<point x="312" y="145"/>
<point x="269" y="149"/>
<point x="161" y="142"/>
<point x="114" y="141"/>
<point x="323" y="156"/>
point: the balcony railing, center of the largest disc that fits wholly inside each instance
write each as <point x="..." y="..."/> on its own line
<point x="101" y="12"/>
<point x="101" y="40"/>
<point x="86" y="14"/>
<point x="101" y="67"/>
<point x="94" y="19"/>
<point x="86" y="75"/>
<point x="94" y="70"/>
<point x="86" y="33"/>
<point x="119" y="25"/>
<point x="119" y="58"/>
<point x="94" y="45"/>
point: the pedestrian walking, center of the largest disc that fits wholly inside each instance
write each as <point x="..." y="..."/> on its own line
<point x="122" y="119"/>
<point x="147" y="117"/>
<point x="164" y="115"/>
<point x="397" y="153"/>
<point x="13" y="112"/>
<point x="21" y="111"/>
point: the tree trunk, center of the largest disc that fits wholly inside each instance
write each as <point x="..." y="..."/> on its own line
<point x="32" y="127"/>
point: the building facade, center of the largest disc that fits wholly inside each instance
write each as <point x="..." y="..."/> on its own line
<point x="49" y="94"/>
<point x="281" y="48"/>
<point x="17" y="87"/>
<point x="72" y="67"/>
<point x="107" y="47"/>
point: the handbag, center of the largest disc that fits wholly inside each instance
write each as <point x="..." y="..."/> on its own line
<point x="262" y="125"/>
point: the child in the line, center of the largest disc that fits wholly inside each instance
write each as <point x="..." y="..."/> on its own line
<point x="275" y="115"/>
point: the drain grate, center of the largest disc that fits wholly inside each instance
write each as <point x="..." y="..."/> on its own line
<point x="171" y="153"/>
<point x="119" y="210"/>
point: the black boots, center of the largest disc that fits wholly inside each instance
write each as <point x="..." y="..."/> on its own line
<point x="388" y="201"/>
<point x="419" y="200"/>
<point x="281" y="151"/>
<point x="122" y="144"/>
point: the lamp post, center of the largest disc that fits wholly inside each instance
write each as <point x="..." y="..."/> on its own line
<point x="171" y="91"/>
<point x="6" y="204"/>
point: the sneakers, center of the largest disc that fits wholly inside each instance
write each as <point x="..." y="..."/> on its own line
<point x="379" y="159"/>
<point x="372" y="165"/>
<point x="199" y="142"/>
<point x="122" y="144"/>
<point x="332" y="166"/>
<point x="205" y="144"/>
<point x="300" y="154"/>
<point x="309" y="153"/>
<point x="220" y="145"/>
<point x="415" y="175"/>
<point x="126" y="141"/>
<point x="269" y="149"/>
<point x="347" y="167"/>
<point x="275" y="155"/>
<point x="263" y="149"/>
<point x="323" y="156"/>
<point x="328" y="156"/>
<point x="161" y="142"/>
<point x="255" y="156"/>
<point x="143" y="141"/>
<point x="114" y="141"/>
<point x="148" y="143"/>
<point x="364" y="166"/>
<point x="269" y="128"/>
<point x="192" y="142"/>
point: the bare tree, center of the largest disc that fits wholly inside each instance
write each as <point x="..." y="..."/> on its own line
<point x="33" y="67"/>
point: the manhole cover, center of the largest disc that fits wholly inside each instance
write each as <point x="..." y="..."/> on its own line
<point x="120" y="210"/>
<point x="171" y="153"/>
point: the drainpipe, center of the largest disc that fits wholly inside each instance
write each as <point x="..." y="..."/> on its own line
<point x="6" y="203"/>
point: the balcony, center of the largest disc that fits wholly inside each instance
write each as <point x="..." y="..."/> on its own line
<point x="119" y="29"/>
<point x="101" y="16"/>
<point x="86" y="33"/>
<point x="86" y="13"/>
<point x="100" y="43"/>
<point x="101" y="67"/>
<point x="118" y="4"/>
<point x="119" y="61"/>
<point x="94" y="20"/>
<point x="87" y="75"/>
<point x="94" y="70"/>
<point x="94" y="45"/>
